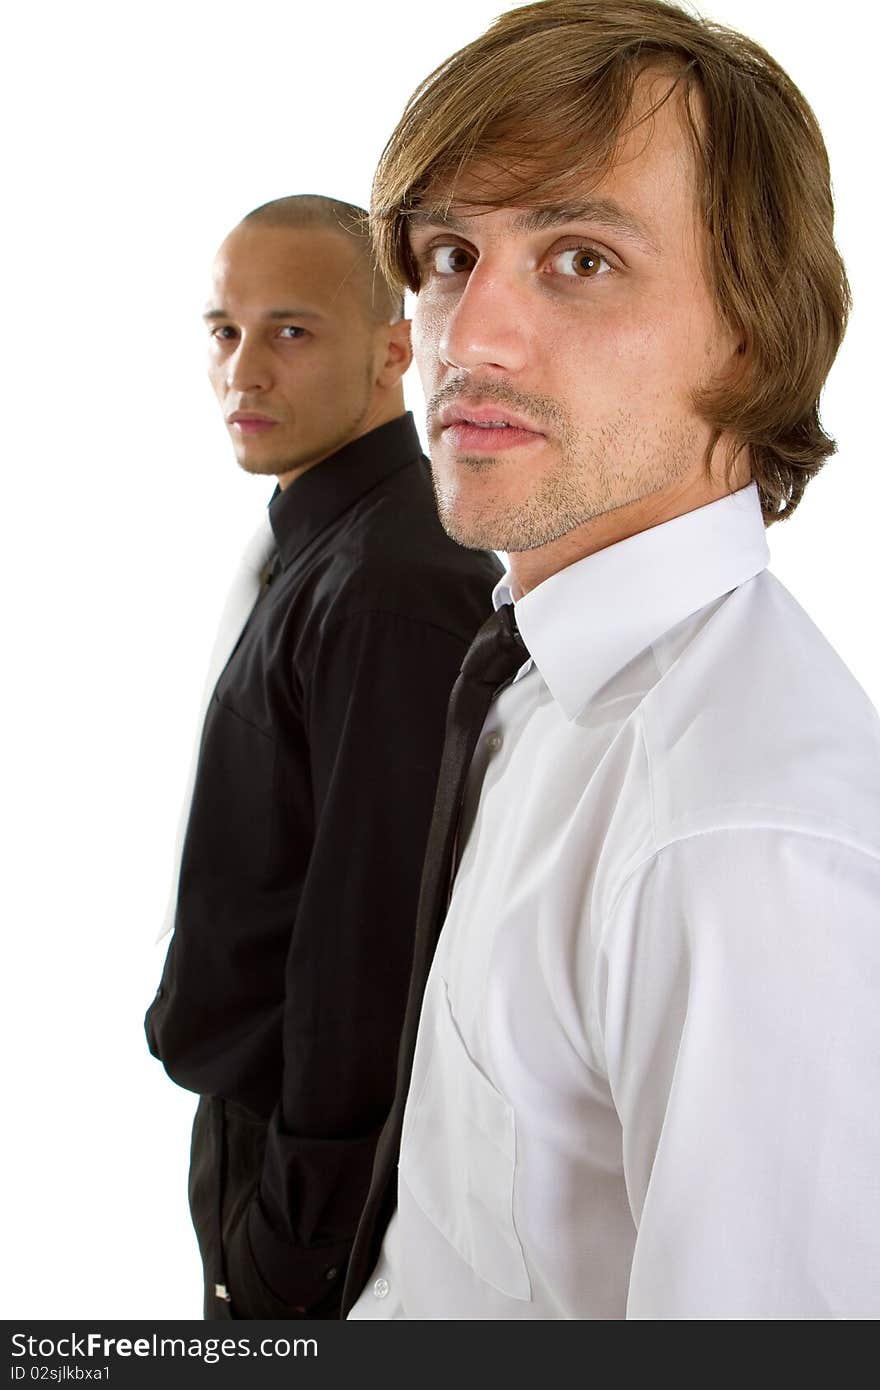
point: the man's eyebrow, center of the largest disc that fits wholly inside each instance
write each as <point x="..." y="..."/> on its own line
<point x="271" y="315"/>
<point x="602" y="212"/>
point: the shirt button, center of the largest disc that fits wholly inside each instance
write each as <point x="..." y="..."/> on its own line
<point x="494" y="742"/>
<point x="381" y="1288"/>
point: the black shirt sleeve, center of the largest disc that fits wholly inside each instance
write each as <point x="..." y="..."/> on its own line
<point x="374" y="715"/>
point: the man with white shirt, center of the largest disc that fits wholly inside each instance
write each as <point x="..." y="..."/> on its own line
<point x="649" y="1047"/>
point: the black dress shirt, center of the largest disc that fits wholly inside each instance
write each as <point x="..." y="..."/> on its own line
<point x="286" y="978"/>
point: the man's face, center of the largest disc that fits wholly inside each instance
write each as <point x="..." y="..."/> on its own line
<point x="291" y="353"/>
<point x="559" y="348"/>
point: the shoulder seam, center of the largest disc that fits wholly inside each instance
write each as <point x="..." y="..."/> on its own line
<point x="840" y="839"/>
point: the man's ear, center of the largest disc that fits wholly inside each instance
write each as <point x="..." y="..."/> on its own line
<point x="395" y="352"/>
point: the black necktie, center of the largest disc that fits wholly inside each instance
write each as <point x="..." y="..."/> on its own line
<point x="491" y="662"/>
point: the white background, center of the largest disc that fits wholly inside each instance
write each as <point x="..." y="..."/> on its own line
<point x="139" y="136"/>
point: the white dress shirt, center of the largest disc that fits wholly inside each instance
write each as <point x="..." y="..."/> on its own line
<point x="647" y="1078"/>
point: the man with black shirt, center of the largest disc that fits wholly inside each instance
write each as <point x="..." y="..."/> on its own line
<point x="285" y="982"/>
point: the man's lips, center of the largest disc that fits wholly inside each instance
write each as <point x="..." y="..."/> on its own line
<point x="488" y="428"/>
<point x="250" y="422"/>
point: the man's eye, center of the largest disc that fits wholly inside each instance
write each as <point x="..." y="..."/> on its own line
<point x="449" y="260"/>
<point x="290" y="331"/>
<point x="224" y="331"/>
<point x="582" y="262"/>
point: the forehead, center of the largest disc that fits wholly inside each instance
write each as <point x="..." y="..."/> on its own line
<point x="648" y="180"/>
<point x="257" y="266"/>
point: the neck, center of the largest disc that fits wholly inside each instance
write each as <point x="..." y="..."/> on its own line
<point x="529" y="568"/>
<point x="381" y="411"/>
<point x="385" y="406"/>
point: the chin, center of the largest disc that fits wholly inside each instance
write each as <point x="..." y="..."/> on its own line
<point x="490" y="502"/>
<point x="261" y="467"/>
<point x="480" y="528"/>
<point x="472" y="535"/>
<point x="470" y="522"/>
<point x="514" y="525"/>
<point x="467" y="502"/>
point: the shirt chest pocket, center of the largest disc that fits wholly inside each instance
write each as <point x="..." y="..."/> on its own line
<point x="458" y="1159"/>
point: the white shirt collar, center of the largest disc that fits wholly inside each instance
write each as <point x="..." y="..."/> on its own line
<point x="621" y="599"/>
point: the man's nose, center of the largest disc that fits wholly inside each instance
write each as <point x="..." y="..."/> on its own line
<point x="487" y="325"/>
<point x="249" y="367"/>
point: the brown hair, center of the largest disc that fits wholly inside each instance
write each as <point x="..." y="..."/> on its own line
<point x="541" y="99"/>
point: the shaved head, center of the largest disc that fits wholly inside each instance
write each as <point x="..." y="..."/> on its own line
<point x="307" y="345"/>
<point x="314" y="211"/>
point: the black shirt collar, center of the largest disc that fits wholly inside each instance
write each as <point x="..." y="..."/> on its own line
<point x="321" y="494"/>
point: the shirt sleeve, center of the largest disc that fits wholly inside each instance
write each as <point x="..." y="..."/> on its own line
<point x="375" y="715"/>
<point x="741" y="973"/>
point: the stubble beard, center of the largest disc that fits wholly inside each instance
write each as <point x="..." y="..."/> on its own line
<point x="594" y="473"/>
